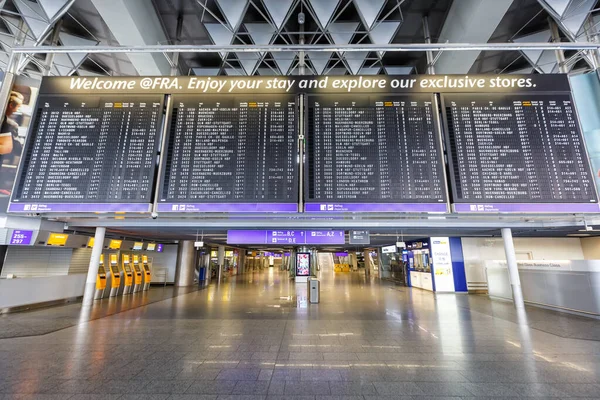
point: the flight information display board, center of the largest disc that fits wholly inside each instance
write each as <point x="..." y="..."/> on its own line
<point x="231" y="153"/>
<point x="517" y="153"/>
<point x="374" y="153"/>
<point x="89" y="154"/>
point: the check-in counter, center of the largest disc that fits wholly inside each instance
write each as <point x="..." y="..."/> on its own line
<point x="421" y="280"/>
<point x="147" y="272"/>
<point x="115" y="275"/>
<point x="127" y="280"/>
<point x="100" y="279"/>
<point x="20" y="292"/>
<point x="571" y="285"/>
<point x="137" y="271"/>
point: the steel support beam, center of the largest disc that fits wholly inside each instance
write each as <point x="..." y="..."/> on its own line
<point x="295" y="48"/>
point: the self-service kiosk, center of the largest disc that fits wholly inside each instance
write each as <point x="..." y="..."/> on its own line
<point x="100" y="279"/>
<point x="147" y="273"/>
<point x="115" y="274"/>
<point x="137" y="269"/>
<point x="127" y="274"/>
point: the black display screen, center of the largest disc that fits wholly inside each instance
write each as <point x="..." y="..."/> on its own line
<point x="90" y="153"/>
<point x="231" y="153"/>
<point x="374" y="153"/>
<point x="517" y="149"/>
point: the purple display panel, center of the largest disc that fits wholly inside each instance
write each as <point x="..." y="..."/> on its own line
<point x="325" y="237"/>
<point x="286" y="254"/>
<point x="527" y="208"/>
<point x="246" y="237"/>
<point x="376" y="207"/>
<point x="21" y="238"/>
<point x="341" y="254"/>
<point x="159" y="248"/>
<point x="285" y="237"/>
<point x="78" y="207"/>
<point x="228" y="207"/>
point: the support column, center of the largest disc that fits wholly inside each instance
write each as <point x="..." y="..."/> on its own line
<point x="428" y="54"/>
<point x="184" y="270"/>
<point x="220" y="261"/>
<point x="90" y="281"/>
<point x="367" y="258"/>
<point x="560" y="55"/>
<point x="513" y="270"/>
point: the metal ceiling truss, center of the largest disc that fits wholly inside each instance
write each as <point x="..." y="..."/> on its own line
<point x="33" y="24"/>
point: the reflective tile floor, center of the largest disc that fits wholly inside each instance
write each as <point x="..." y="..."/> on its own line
<point x="256" y="337"/>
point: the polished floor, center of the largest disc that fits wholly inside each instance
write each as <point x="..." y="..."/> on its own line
<point x="255" y="337"/>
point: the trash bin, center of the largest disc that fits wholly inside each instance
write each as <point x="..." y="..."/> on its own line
<point x="314" y="291"/>
<point x="202" y="274"/>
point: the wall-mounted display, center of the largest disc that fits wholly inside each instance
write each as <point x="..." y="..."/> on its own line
<point x="20" y="237"/>
<point x="57" y="239"/>
<point x="517" y="153"/>
<point x="115" y="244"/>
<point x="89" y="154"/>
<point x="231" y="153"/>
<point x="374" y="153"/>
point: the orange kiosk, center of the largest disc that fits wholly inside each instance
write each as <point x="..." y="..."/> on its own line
<point x="100" y="279"/>
<point x="115" y="275"/>
<point x="147" y="273"/>
<point x="127" y="274"/>
<point x="137" y="269"/>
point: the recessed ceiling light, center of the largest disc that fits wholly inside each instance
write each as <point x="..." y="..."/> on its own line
<point x="579" y="234"/>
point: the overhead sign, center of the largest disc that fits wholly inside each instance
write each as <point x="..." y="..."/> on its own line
<point x="151" y="246"/>
<point x="115" y="244"/>
<point x="57" y="239"/>
<point x="389" y="249"/>
<point x="285" y="237"/>
<point x="359" y="237"/>
<point x="21" y="237"/>
<point x="306" y="84"/>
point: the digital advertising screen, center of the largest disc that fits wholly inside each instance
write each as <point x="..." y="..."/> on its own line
<point x="302" y="264"/>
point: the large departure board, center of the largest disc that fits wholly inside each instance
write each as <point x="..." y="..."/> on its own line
<point x="231" y="153"/>
<point x="90" y="154"/>
<point x="517" y="153"/>
<point x="374" y="153"/>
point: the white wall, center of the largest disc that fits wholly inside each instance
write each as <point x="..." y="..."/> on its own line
<point x="591" y="248"/>
<point x="476" y="250"/>
<point x="167" y="259"/>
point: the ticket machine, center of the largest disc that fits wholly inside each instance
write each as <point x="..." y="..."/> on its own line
<point x="147" y="273"/>
<point x="127" y="274"/>
<point x="100" y="279"/>
<point x="115" y="275"/>
<point x="137" y="269"/>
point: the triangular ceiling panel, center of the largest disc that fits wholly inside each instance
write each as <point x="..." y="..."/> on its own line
<point x="399" y="70"/>
<point x="576" y="15"/>
<point x="319" y="60"/>
<point x="538" y="37"/>
<point x="324" y="10"/>
<point x="342" y="32"/>
<point x="248" y="61"/>
<point x="369" y="10"/>
<point x="355" y="60"/>
<point x="384" y="32"/>
<point x="260" y="33"/>
<point x="283" y="60"/>
<point x="220" y="35"/>
<point x="233" y="11"/>
<point x="336" y="71"/>
<point x="52" y="7"/>
<point x="266" y="71"/>
<point x="547" y="62"/>
<point x="558" y="6"/>
<point x="278" y="9"/>
<point x="33" y="15"/>
<point x="67" y="39"/>
<point x="233" y="72"/>
<point x="370" y="70"/>
<point x="205" y="71"/>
